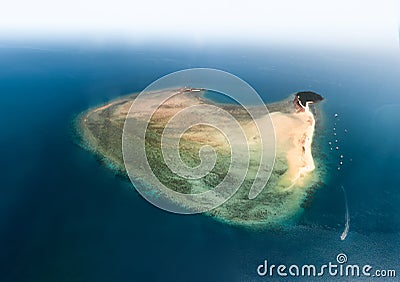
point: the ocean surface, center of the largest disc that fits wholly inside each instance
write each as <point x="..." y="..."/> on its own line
<point x="64" y="216"/>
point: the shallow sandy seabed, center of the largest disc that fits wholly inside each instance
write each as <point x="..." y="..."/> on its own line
<point x="293" y="174"/>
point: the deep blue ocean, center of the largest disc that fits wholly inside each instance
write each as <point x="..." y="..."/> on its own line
<point x="64" y="216"/>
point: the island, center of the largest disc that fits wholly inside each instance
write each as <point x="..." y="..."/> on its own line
<point x="294" y="176"/>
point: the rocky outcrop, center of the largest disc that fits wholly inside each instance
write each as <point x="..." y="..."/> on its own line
<point x="302" y="98"/>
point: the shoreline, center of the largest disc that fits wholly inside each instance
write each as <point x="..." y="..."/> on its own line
<point x="294" y="135"/>
<point x="307" y="145"/>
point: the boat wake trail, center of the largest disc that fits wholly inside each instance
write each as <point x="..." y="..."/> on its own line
<point x="347" y="217"/>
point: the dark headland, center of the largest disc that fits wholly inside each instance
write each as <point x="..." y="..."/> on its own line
<point x="304" y="97"/>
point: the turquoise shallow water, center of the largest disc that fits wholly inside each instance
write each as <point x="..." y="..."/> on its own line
<point x="65" y="217"/>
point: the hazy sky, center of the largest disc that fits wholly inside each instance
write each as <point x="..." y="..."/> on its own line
<point x="335" y="22"/>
